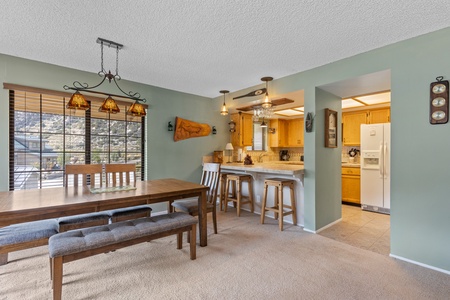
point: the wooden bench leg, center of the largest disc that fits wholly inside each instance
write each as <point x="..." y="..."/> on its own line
<point x="180" y="240"/>
<point x="57" y="273"/>
<point x="193" y="244"/>
<point x="3" y="259"/>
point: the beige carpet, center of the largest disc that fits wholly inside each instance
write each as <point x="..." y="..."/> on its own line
<point x="245" y="260"/>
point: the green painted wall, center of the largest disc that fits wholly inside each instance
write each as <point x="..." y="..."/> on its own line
<point x="420" y="204"/>
<point x="166" y="158"/>
<point x="420" y="151"/>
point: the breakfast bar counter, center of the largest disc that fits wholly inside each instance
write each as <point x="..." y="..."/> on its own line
<point x="278" y="169"/>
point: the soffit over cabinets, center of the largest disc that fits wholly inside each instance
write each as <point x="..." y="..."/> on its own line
<point x="367" y="101"/>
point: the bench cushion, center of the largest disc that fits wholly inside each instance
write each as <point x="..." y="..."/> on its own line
<point x="27" y="232"/>
<point x="129" y="210"/>
<point x="189" y="205"/>
<point x="94" y="237"/>
<point x="83" y="218"/>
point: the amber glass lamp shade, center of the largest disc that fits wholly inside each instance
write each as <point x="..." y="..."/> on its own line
<point x="224" y="110"/>
<point x="77" y="101"/>
<point x="137" y="110"/>
<point x="267" y="103"/>
<point x="109" y="106"/>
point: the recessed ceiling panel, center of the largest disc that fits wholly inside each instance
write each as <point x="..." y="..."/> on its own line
<point x="375" y="99"/>
<point x="349" y="103"/>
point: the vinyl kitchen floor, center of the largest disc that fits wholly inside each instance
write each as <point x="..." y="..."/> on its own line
<point x="363" y="229"/>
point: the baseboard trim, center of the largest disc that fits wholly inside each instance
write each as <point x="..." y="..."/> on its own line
<point x="323" y="228"/>
<point x="420" y="264"/>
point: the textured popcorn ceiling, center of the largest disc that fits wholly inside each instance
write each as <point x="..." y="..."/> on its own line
<point x="201" y="47"/>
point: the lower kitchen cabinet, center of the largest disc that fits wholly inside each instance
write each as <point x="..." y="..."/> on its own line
<point x="351" y="189"/>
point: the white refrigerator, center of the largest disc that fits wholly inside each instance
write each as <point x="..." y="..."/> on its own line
<point x="375" y="167"/>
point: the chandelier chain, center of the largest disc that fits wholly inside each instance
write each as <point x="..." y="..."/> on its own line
<point x="101" y="67"/>
<point x="117" y="61"/>
<point x="84" y="87"/>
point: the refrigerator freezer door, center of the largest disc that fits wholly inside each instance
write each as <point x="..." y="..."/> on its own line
<point x="372" y="180"/>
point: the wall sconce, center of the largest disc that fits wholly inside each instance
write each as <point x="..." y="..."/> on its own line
<point x="214" y="130"/>
<point x="232" y="126"/>
<point x="271" y="130"/>
<point x="170" y="126"/>
<point x="309" y="122"/>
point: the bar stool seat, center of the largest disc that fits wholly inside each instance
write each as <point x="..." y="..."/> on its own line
<point x="279" y="206"/>
<point x="238" y="198"/>
<point x="223" y="183"/>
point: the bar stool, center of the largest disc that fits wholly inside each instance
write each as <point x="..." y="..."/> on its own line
<point x="278" y="208"/>
<point x="238" y="179"/>
<point x="223" y="182"/>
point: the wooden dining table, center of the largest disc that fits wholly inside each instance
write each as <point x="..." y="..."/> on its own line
<point x="38" y="204"/>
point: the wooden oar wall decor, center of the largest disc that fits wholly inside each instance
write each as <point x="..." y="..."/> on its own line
<point x="185" y="129"/>
<point x="252" y="94"/>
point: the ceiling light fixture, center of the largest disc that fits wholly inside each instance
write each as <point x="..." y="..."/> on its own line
<point x="263" y="124"/>
<point x="224" y="110"/>
<point x="77" y="101"/>
<point x="266" y="103"/>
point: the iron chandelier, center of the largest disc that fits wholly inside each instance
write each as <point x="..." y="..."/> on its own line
<point x="78" y="101"/>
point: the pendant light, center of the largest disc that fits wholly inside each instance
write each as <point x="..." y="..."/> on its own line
<point x="263" y="124"/>
<point x="224" y="110"/>
<point x="136" y="110"/>
<point x="109" y="106"/>
<point x="78" y="101"/>
<point x="266" y="103"/>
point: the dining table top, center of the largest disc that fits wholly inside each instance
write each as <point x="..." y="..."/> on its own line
<point x="37" y="204"/>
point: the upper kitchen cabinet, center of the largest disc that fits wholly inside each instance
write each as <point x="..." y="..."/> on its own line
<point x="243" y="135"/>
<point x="379" y="116"/>
<point x="295" y="132"/>
<point x="352" y="121"/>
<point x="279" y="138"/>
<point x="352" y="127"/>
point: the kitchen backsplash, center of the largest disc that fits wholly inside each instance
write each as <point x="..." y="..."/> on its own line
<point x="273" y="154"/>
<point x="345" y="153"/>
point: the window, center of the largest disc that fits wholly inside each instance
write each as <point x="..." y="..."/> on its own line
<point x="45" y="136"/>
<point x="259" y="138"/>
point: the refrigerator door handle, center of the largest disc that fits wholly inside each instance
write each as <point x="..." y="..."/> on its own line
<point x="384" y="160"/>
<point x="381" y="163"/>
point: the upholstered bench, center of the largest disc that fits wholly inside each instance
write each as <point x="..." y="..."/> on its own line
<point x="75" y="244"/>
<point x="83" y="220"/>
<point x="25" y="235"/>
<point x="129" y="213"/>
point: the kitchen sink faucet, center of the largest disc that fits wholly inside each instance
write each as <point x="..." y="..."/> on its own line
<point x="260" y="160"/>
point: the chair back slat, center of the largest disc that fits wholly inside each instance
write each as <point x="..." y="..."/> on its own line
<point x="93" y="171"/>
<point x="120" y="174"/>
<point x="210" y="178"/>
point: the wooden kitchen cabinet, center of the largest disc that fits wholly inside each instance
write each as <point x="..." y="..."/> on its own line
<point x="352" y="127"/>
<point x="279" y="138"/>
<point x="351" y="131"/>
<point x="379" y="116"/>
<point x="243" y="136"/>
<point x="295" y="132"/>
<point x="351" y="189"/>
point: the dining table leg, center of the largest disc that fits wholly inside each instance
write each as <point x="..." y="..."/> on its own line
<point x="202" y="222"/>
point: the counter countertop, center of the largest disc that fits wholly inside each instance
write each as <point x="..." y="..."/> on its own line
<point x="351" y="165"/>
<point x="267" y="167"/>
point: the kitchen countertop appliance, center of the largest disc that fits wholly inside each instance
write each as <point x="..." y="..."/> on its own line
<point x="284" y="155"/>
<point x="375" y="167"/>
